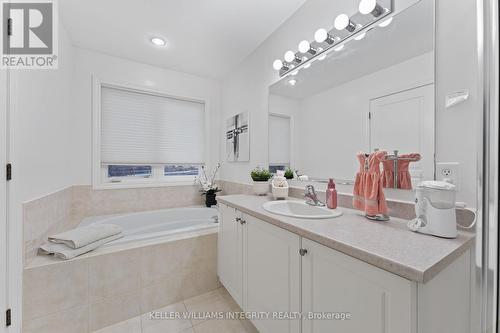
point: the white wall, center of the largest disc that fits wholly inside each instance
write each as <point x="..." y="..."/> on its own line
<point x="112" y="69"/>
<point x="333" y="124"/>
<point x="246" y="88"/>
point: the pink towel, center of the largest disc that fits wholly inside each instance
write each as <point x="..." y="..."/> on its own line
<point x="368" y="190"/>
<point x="404" y="177"/>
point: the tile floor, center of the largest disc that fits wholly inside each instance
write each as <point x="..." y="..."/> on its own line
<point x="217" y="300"/>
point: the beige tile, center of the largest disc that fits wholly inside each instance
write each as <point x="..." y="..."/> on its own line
<point x="114" y="274"/>
<point x="189" y="330"/>
<point x="164" y="293"/>
<point x="200" y="278"/>
<point x="128" y="326"/>
<point x="49" y="289"/>
<point x="76" y="318"/>
<point x="220" y="326"/>
<point x="113" y="310"/>
<point x="212" y="301"/>
<point x="166" y="320"/>
<point x="229" y="299"/>
<point x="159" y="262"/>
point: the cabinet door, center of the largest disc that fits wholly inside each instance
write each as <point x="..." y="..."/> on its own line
<point x="333" y="283"/>
<point x="271" y="274"/>
<point x="230" y="266"/>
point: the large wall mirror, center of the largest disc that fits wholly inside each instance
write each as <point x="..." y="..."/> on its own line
<point x="322" y="116"/>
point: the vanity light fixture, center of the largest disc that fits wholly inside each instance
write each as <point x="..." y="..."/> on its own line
<point x="158" y="41"/>
<point x="371" y="7"/>
<point x="344" y="22"/>
<point x="385" y="23"/>
<point x="370" y="12"/>
<point x="305" y="47"/>
<point x="322" y="36"/>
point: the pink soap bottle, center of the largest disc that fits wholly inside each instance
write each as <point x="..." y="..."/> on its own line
<point x="331" y="195"/>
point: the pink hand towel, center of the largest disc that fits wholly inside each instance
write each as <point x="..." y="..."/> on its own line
<point x="368" y="190"/>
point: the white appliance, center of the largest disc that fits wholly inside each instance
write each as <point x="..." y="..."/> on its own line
<point x="435" y="209"/>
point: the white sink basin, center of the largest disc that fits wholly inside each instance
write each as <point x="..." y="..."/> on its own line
<point x="300" y="209"/>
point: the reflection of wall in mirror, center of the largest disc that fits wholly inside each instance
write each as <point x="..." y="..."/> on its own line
<point x="332" y="126"/>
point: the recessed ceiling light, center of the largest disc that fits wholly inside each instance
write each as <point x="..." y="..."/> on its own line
<point x="158" y="41"/>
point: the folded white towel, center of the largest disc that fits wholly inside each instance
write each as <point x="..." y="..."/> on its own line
<point x="64" y="252"/>
<point x="83" y="236"/>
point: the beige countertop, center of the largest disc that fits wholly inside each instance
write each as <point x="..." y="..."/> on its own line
<point x="387" y="245"/>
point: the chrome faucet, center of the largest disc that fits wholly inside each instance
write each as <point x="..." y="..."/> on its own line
<point x="312" y="197"/>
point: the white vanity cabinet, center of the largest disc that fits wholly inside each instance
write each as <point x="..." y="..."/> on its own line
<point x="271" y="274"/>
<point x="338" y="285"/>
<point x="272" y="270"/>
<point x="229" y="252"/>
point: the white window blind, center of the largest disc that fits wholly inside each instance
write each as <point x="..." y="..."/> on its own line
<point x="279" y="140"/>
<point x="141" y="128"/>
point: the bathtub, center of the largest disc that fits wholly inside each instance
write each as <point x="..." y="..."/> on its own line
<point x="158" y="223"/>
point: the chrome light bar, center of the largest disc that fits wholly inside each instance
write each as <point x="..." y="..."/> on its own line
<point x="345" y="29"/>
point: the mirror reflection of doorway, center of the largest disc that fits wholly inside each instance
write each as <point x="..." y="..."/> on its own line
<point x="413" y="112"/>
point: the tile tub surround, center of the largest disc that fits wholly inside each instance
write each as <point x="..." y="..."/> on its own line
<point x="398" y="209"/>
<point x="386" y="245"/>
<point x="63" y="210"/>
<point x="98" y="290"/>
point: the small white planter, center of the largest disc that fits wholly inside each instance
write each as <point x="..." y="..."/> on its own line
<point x="261" y="188"/>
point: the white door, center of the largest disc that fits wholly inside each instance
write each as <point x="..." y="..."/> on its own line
<point x="271" y="275"/>
<point x="404" y="121"/>
<point x="357" y="296"/>
<point x="3" y="195"/>
<point x="230" y="246"/>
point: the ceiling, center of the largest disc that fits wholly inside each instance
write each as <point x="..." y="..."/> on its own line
<point x="204" y="37"/>
<point x="409" y="35"/>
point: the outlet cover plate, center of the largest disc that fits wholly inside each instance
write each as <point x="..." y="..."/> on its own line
<point x="449" y="171"/>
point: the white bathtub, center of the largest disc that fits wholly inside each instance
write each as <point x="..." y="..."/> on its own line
<point x="158" y="223"/>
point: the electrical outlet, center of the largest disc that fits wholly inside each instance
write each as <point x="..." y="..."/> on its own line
<point x="449" y="171"/>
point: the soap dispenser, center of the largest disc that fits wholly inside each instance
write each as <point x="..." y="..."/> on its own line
<point x="331" y="195"/>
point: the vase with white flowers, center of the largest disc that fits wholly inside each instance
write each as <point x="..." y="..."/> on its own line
<point x="207" y="184"/>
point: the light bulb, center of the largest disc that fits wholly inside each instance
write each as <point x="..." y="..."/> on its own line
<point x="289" y="56"/>
<point x="385" y="23"/>
<point x="158" y="41"/>
<point x="304" y="46"/>
<point x="343" y="22"/>
<point x="292" y="82"/>
<point x="370" y="7"/>
<point x="320" y="35"/>
<point x="322" y="57"/>
<point x="294" y="72"/>
<point x="277" y="64"/>
<point x="360" y="36"/>
<point x="339" y="48"/>
<point x="307" y="65"/>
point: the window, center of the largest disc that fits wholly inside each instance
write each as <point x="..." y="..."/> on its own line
<point x="279" y="142"/>
<point x="149" y="138"/>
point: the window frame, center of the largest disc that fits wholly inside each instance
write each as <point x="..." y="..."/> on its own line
<point x="100" y="179"/>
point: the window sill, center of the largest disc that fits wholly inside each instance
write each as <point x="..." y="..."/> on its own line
<point x="125" y="185"/>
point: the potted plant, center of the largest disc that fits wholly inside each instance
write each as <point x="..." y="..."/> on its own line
<point x="288" y="173"/>
<point x="260" y="179"/>
<point x="207" y="184"/>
